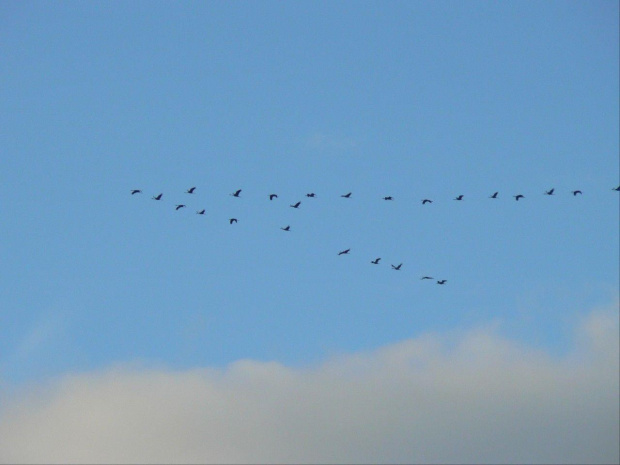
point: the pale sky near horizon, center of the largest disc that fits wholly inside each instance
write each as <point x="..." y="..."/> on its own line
<point x="408" y="99"/>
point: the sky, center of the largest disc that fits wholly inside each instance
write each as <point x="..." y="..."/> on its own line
<point x="143" y="330"/>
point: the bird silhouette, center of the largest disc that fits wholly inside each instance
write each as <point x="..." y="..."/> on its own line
<point x="397" y="267"/>
<point x="311" y="194"/>
<point x="273" y="196"/>
<point x="346" y="196"/>
<point x="296" y="205"/>
<point x="443" y="281"/>
<point x="494" y="196"/>
<point x="577" y="192"/>
<point x="460" y="197"/>
<point x="344" y="252"/>
<point x="157" y="197"/>
<point x="518" y="196"/>
<point x="287" y="228"/>
<point x="549" y="192"/>
<point x="375" y="261"/>
<point x="178" y="207"/>
<point x="136" y="191"/>
<point x="201" y="212"/>
<point x="236" y="193"/>
<point x="232" y="220"/>
<point x="425" y="201"/>
<point x="425" y="277"/>
<point x="190" y="190"/>
<point x="616" y="189"/>
<point x="389" y="197"/>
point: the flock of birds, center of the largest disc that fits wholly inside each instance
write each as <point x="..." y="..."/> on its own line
<point x="348" y="195"/>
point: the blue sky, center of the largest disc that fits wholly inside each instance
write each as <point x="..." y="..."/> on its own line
<point x="409" y="99"/>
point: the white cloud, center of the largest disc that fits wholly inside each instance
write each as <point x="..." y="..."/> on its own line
<point x="473" y="398"/>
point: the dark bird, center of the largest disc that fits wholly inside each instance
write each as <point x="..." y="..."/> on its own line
<point x="273" y="196"/>
<point x="232" y="220"/>
<point x="549" y="192"/>
<point x="494" y="196"/>
<point x="460" y="197"/>
<point x="375" y="261"/>
<point x="344" y="252"/>
<point x="179" y="207"/>
<point x="397" y="267"/>
<point x="190" y="190"/>
<point x="389" y="197"/>
<point x="236" y="193"/>
<point x="296" y="205"/>
<point x="426" y="277"/>
<point x="201" y="212"/>
<point x="425" y="201"/>
<point x="616" y="189"/>
<point x="577" y="192"/>
<point x="443" y="281"/>
<point x="311" y="194"/>
<point x="288" y="228"/>
<point x="346" y="196"/>
<point x="157" y="197"/>
<point x="136" y="191"/>
<point x="518" y="196"/>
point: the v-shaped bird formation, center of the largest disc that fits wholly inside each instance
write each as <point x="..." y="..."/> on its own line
<point x="349" y="195"/>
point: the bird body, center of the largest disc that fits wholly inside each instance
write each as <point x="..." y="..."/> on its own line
<point x="296" y="205"/>
<point x="443" y="281"/>
<point x="157" y="197"/>
<point x="617" y="189"/>
<point x="389" y="197"/>
<point x="425" y="201"/>
<point x="425" y="277"/>
<point x="236" y="193"/>
<point x="577" y="192"/>
<point x="311" y="194"/>
<point x="459" y="197"/>
<point x="136" y="191"/>
<point x="273" y="196"/>
<point x="232" y="220"/>
<point x="549" y="192"/>
<point x="190" y="190"/>
<point x="287" y="228"/>
<point x="201" y="212"/>
<point x="375" y="261"/>
<point x="397" y="267"/>
<point x="518" y="196"/>
<point x="494" y="196"/>
<point x="346" y="196"/>
<point x="178" y="207"/>
<point x="344" y="252"/>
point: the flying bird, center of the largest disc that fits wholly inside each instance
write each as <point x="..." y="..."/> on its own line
<point x="273" y="196"/>
<point x="494" y="196"/>
<point x="288" y="228"/>
<point x="460" y="197"/>
<point x="577" y="192"/>
<point x="375" y="261"/>
<point x="549" y="192"/>
<point x="389" y="197"/>
<point x="443" y="281"/>
<point x="296" y="205"/>
<point x="425" y="277"/>
<point x="616" y="189"/>
<point x="518" y="196"/>
<point x="201" y="212"/>
<point x="344" y="252"/>
<point x="179" y="207"/>
<point x="232" y="220"/>
<point x="136" y="191"/>
<point x="157" y="197"/>
<point x="190" y="190"/>
<point x="397" y="267"/>
<point x="236" y="193"/>
<point x="425" y="201"/>
<point x="346" y="196"/>
<point x="311" y="194"/>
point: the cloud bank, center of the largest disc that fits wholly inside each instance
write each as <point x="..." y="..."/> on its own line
<point x="470" y="398"/>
